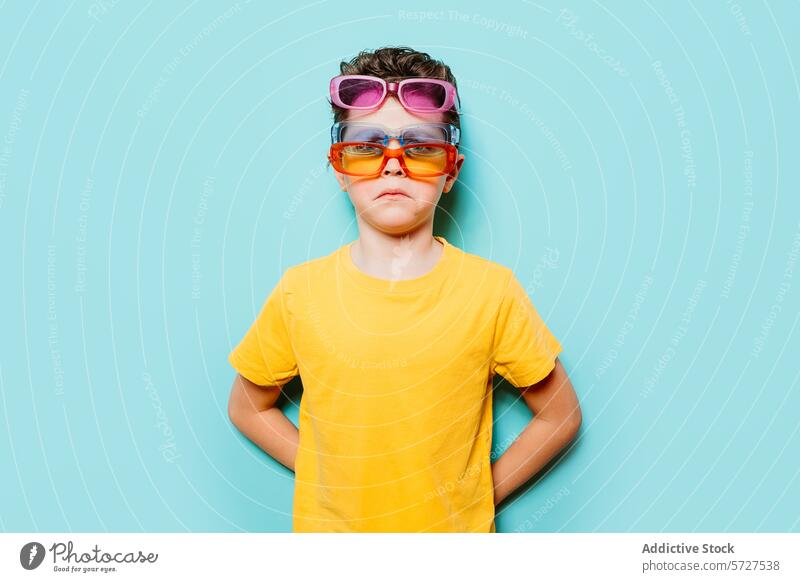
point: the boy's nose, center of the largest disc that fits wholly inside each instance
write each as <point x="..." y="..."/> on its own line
<point x="393" y="168"/>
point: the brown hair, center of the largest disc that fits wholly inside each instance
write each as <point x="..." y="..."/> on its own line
<point x="394" y="64"/>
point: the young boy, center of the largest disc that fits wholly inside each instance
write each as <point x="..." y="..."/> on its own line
<point x="397" y="335"/>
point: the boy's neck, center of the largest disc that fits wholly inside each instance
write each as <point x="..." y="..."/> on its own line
<point x="403" y="256"/>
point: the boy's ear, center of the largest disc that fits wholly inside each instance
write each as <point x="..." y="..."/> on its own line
<point x="451" y="179"/>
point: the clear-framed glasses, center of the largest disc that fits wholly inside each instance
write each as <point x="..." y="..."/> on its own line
<point x="363" y="131"/>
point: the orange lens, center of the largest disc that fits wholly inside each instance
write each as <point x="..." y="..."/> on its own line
<point x="361" y="159"/>
<point x="425" y="160"/>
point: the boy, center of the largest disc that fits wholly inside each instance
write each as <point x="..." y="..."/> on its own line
<point x="397" y="335"/>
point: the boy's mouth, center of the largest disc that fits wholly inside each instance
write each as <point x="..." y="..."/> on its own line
<point x="392" y="192"/>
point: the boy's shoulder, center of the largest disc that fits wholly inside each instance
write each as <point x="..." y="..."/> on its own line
<point x="312" y="266"/>
<point x="303" y="274"/>
<point x="486" y="265"/>
<point x="475" y="266"/>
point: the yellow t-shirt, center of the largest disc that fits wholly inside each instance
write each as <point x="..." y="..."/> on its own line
<point x="395" y="419"/>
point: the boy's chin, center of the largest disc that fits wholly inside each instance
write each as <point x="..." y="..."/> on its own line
<point x="393" y="221"/>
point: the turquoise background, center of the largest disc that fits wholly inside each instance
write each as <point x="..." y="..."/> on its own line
<point x="162" y="163"/>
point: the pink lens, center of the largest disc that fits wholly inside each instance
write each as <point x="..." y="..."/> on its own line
<point x="360" y="92"/>
<point x="423" y="95"/>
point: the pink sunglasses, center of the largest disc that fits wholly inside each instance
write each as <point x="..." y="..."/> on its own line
<point x="417" y="94"/>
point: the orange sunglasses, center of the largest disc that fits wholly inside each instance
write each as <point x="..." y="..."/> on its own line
<point x="418" y="160"/>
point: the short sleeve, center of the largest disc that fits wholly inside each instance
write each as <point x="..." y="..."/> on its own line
<point x="524" y="349"/>
<point x="265" y="355"/>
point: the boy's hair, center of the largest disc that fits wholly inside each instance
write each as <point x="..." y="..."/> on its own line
<point x="394" y="64"/>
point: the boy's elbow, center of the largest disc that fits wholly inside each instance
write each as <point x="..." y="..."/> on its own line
<point x="573" y="423"/>
<point x="237" y="409"/>
<point x="234" y="413"/>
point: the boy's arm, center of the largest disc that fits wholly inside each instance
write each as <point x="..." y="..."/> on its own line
<point x="252" y="410"/>
<point x="557" y="418"/>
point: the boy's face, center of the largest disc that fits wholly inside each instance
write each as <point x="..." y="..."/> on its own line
<point x="395" y="214"/>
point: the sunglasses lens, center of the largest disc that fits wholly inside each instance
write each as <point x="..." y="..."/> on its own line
<point x="423" y="96"/>
<point x="360" y="159"/>
<point x="360" y="92"/>
<point x="426" y="160"/>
